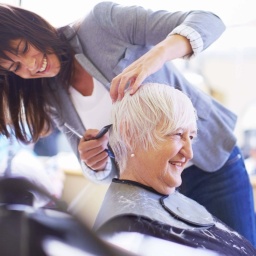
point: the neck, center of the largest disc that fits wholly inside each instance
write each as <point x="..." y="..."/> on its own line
<point x="135" y="183"/>
<point x="81" y="80"/>
<point x="157" y="184"/>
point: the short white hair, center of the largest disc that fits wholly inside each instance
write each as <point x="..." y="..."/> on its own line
<point x="143" y="119"/>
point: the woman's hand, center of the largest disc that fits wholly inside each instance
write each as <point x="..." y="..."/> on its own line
<point x="136" y="73"/>
<point x="172" y="47"/>
<point x="92" y="151"/>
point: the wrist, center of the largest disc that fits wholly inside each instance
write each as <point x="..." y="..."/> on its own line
<point x="194" y="38"/>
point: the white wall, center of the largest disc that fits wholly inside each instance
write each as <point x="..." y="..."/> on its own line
<point x="60" y="12"/>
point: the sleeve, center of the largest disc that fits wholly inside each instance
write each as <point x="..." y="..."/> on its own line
<point x="56" y="111"/>
<point x="193" y="36"/>
<point x="146" y="27"/>
<point x="104" y="176"/>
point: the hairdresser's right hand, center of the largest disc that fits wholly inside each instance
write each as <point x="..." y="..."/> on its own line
<point x="92" y="151"/>
<point x="172" y="47"/>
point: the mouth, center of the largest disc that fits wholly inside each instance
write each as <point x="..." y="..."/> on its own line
<point x="44" y="65"/>
<point x="179" y="164"/>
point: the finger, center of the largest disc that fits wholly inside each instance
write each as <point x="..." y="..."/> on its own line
<point x="90" y="134"/>
<point x="136" y="84"/>
<point x="120" y="90"/>
<point x="92" y="147"/>
<point x="85" y="146"/>
<point x="127" y="82"/>
<point x="97" y="162"/>
<point x="100" y="165"/>
<point x="114" y="88"/>
<point x="120" y="83"/>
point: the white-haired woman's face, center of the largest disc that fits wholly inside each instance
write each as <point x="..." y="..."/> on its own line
<point x="161" y="169"/>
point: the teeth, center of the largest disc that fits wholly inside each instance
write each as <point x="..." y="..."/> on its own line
<point x="42" y="69"/>
<point x="178" y="164"/>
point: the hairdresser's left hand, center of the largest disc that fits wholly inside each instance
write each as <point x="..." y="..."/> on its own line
<point x="93" y="151"/>
<point x="172" y="47"/>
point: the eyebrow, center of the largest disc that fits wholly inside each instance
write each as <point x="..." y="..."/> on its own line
<point x="194" y="133"/>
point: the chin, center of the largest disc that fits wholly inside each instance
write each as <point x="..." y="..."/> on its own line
<point x="178" y="183"/>
<point x="167" y="191"/>
<point x="175" y="182"/>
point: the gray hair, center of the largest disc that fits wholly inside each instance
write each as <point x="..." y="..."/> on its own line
<point x="143" y="119"/>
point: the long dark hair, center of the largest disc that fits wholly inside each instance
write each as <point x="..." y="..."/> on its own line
<point x="23" y="105"/>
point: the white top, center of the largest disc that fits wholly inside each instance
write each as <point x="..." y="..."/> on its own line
<point x="93" y="110"/>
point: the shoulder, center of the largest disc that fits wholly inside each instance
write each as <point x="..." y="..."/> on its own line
<point x="103" y="7"/>
<point x="113" y="10"/>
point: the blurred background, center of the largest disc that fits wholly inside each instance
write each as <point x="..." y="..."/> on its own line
<point x="226" y="70"/>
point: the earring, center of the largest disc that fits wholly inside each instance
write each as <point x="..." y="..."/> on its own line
<point x="132" y="155"/>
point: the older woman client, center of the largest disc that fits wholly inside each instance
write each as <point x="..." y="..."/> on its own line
<point x="151" y="138"/>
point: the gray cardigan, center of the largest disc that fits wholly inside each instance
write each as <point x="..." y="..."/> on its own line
<point x="112" y="36"/>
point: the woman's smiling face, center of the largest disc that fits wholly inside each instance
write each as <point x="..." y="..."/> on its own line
<point x="161" y="168"/>
<point x="29" y="62"/>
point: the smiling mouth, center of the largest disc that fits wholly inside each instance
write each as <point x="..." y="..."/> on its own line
<point x="176" y="164"/>
<point x="44" y="65"/>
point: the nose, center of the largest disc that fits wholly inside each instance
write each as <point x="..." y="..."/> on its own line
<point x="187" y="150"/>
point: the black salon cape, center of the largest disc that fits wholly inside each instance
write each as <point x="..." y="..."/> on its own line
<point x="218" y="238"/>
<point x="226" y="244"/>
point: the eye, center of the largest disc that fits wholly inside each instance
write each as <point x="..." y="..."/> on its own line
<point x="177" y="133"/>
<point x="191" y="137"/>
<point x="183" y="135"/>
<point x="25" y="47"/>
<point x="22" y="47"/>
<point x="17" y="67"/>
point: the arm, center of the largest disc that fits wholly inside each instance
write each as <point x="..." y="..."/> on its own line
<point x="64" y="107"/>
<point x="138" y="26"/>
<point x="174" y="46"/>
<point x="189" y="32"/>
